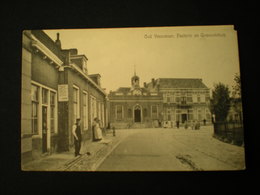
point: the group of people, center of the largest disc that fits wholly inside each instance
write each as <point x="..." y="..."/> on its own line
<point x="195" y="125"/>
<point x="76" y="131"/>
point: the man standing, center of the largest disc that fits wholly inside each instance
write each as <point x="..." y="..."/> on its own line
<point x="178" y="124"/>
<point x="76" y="131"/>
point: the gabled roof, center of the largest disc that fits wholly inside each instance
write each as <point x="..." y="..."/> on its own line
<point x="181" y="83"/>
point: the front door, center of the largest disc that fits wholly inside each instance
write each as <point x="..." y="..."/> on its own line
<point x="137" y="114"/>
<point x="183" y="118"/>
<point x="44" y="129"/>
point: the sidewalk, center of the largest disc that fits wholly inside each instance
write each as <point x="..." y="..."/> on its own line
<point x="66" y="161"/>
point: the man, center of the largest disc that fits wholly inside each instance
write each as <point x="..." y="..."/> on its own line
<point x="178" y="124"/>
<point x="76" y="131"/>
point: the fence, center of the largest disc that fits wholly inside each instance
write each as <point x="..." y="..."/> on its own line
<point x="231" y="132"/>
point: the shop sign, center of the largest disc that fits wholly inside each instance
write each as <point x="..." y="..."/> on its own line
<point x="63" y="93"/>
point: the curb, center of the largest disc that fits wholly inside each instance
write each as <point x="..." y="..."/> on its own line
<point x="95" y="159"/>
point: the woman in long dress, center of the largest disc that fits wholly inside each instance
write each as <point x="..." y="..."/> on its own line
<point x="97" y="130"/>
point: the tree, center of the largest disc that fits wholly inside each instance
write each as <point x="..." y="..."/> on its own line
<point x="236" y="96"/>
<point x="220" y="102"/>
<point x="236" y="93"/>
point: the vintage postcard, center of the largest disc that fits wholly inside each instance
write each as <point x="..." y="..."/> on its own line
<point x="131" y="99"/>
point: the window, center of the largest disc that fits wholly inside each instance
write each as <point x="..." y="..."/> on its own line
<point x="93" y="109"/>
<point x="177" y="99"/>
<point x="208" y="114"/>
<point x="75" y="103"/>
<point x="198" y="98"/>
<point x="190" y="114"/>
<point x="44" y="96"/>
<point x="154" y="112"/>
<point x="52" y="106"/>
<point x="189" y="97"/>
<point x="103" y="114"/>
<point x="183" y="100"/>
<point x="85" y="111"/>
<point x="207" y="98"/>
<point x="168" y="97"/>
<point x="35" y="108"/>
<point x="99" y="110"/>
<point x="119" y="112"/>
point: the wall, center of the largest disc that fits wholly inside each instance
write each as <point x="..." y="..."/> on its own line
<point x="74" y="78"/>
<point x="129" y="121"/>
<point x="26" y="140"/>
<point x="43" y="72"/>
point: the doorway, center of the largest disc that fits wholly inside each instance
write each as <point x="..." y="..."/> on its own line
<point x="137" y="114"/>
<point x="183" y="118"/>
<point x="44" y="129"/>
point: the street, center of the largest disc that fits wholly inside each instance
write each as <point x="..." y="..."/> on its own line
<point x="172" y="150"/>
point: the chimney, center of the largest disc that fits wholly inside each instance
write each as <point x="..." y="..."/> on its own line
<point x="153" y="82"/>
<point x="58" y="42"/>
<point x="73" y="51"/>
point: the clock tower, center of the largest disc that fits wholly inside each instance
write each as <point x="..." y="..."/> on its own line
<point x="135" y="82"/>
<point x="136" y="90"/>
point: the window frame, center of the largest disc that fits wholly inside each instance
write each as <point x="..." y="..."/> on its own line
<point x="85" y="110"/>
<point x="116" y="112"/>
<point x="53" y="106"/>
<point x="153" y="116"/>
<point x="36" y="102"/>
<point x="76" y="104"/>
<point x="42" y="87"/>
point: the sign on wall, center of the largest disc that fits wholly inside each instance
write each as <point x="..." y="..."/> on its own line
<point x="63" y="93"/>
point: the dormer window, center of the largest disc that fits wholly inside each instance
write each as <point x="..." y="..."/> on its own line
<point x="80" y="61"/>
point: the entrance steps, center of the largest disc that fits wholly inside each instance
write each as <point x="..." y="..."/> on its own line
<point x="138" y="126"/>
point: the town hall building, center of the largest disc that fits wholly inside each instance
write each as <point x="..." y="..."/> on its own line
<point x="135" y="106"/>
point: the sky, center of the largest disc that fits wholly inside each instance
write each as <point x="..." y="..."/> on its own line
<point x="206" y="52"/>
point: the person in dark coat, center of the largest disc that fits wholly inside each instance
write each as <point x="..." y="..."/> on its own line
<point x="76" y="131"/>
<point x="204" y="122"/>
<point x="178" y="124"/>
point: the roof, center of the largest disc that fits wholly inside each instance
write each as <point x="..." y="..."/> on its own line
<point x="48" y="42"/>
<point x="181" y="83"/>
<point x="126" y="90"/>
<point x="123" y="89"/>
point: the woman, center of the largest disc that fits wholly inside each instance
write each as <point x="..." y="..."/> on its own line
<point x="97" y="130"/>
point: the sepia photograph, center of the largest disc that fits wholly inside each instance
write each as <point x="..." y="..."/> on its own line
<point x="131" y="99"/>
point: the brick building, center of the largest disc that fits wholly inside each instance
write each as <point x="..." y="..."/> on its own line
<point x="56" y="89"/>
<point x="162" y="101"/>
<point x="135" y="106"/>
<point x="184" y="99"/>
